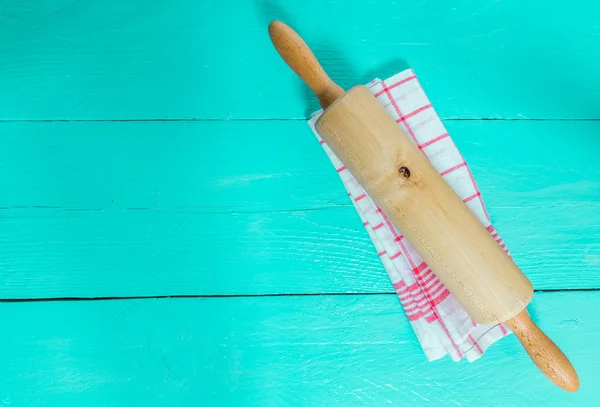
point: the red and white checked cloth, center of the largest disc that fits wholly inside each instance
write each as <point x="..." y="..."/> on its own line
<point x="441" y="324"/>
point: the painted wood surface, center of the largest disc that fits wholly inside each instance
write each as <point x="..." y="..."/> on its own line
<point x="128" y="209"/>
<point x="271" y="165"/>
<point x="53" y="253"/>
<point x="292" y="351"/>
<point x="160" y="149"/>
<point x="137" y="60"/>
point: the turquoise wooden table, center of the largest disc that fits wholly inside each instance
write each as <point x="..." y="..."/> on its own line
<point x="172" y="234"/>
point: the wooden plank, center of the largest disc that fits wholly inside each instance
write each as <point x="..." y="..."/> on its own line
<point x="196" y="59"/>
<point x="293" y="351"/>
<point x="127" y="209"/>
<point x="54" y="253"/>
<point x="271" y="165"/>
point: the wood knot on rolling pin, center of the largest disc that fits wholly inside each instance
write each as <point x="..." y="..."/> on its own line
<point x="404" y="171"/>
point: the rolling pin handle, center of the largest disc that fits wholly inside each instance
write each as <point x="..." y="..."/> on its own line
<point x="544" y="353"/>
<point x="294" y="51"/>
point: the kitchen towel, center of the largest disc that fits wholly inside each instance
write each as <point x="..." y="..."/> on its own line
<point x="441" y="324"/>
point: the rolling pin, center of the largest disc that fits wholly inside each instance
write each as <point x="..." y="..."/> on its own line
<point x="419" y="202"/>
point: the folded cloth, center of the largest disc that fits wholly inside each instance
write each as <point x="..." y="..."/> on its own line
<point x="441" y="324"/>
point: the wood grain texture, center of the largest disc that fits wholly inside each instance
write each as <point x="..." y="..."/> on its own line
<point x="127" y="209"/>
<point x="343" y="351"/>
<point x="132" y="59"/>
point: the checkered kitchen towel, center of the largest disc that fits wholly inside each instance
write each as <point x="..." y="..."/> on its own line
<point x="441" y="324"/>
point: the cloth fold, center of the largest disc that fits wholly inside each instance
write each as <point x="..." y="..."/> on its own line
<point x="441" y="324"/>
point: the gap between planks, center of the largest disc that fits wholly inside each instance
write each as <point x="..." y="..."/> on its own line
<point x="153" y="297"/>
<point x="258" y="119"/>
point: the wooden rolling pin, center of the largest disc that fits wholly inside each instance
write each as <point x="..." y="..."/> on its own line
<point x="419" y="202"/>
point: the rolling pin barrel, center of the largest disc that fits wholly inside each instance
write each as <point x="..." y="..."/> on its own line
<point x="421" y="204"/>
<point x="431" y="216"/>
